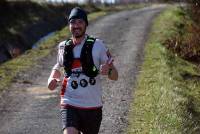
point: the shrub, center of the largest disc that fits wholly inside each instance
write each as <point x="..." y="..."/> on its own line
<point x="186" y="43"/>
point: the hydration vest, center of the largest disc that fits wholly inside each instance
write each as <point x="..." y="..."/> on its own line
<point x="86" y="59"/>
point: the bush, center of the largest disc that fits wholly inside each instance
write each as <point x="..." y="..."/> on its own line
<point x="194" y="10"/>
<point x="186" y="43"/>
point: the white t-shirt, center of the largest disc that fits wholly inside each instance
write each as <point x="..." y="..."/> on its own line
<point x="83" y="97"/>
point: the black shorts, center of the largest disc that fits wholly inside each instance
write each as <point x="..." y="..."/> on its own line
<point x="86" y="121"/>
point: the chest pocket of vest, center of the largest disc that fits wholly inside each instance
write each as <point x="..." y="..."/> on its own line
<point x="86" y="57"/>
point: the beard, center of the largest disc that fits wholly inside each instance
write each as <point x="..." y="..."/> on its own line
<point x="78" y="32"/>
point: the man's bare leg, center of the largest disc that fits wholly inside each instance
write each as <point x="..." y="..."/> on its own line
<point x="70" y="130"/>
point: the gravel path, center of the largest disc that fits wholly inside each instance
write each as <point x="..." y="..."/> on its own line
<point x="28" y="107"/>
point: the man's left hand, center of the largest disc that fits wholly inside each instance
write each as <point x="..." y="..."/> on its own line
<point x="104" y="69"/>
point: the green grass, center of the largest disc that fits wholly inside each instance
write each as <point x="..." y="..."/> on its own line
<point x="167" y="97"/>
<point x="122" y="7"/>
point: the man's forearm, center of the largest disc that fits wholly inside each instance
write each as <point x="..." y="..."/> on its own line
<point x="55" y="74"/>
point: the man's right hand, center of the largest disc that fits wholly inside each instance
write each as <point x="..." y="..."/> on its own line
<point x="53" y="83"/>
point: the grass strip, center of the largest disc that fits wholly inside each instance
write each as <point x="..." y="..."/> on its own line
<point x="167" y="97"/>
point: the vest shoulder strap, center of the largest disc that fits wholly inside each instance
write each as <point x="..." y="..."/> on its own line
<point x="68" y="42"/>
<point x="90" y="40"/>
<point x="68" y="56"/>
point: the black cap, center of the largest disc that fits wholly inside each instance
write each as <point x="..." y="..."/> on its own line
<point x="78" y="13"/>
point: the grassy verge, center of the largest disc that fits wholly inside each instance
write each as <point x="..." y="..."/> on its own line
<point x="10" y="69"/>
<point x="122" y="7"/>
<point x="167" y="97"/>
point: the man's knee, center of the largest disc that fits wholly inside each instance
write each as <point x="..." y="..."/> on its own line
<point x="70" y="130"/>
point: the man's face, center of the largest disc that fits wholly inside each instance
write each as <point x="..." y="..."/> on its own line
<point x="77" y="27"/>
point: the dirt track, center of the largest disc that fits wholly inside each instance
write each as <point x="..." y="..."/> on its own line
<point x="28" y="107"/>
